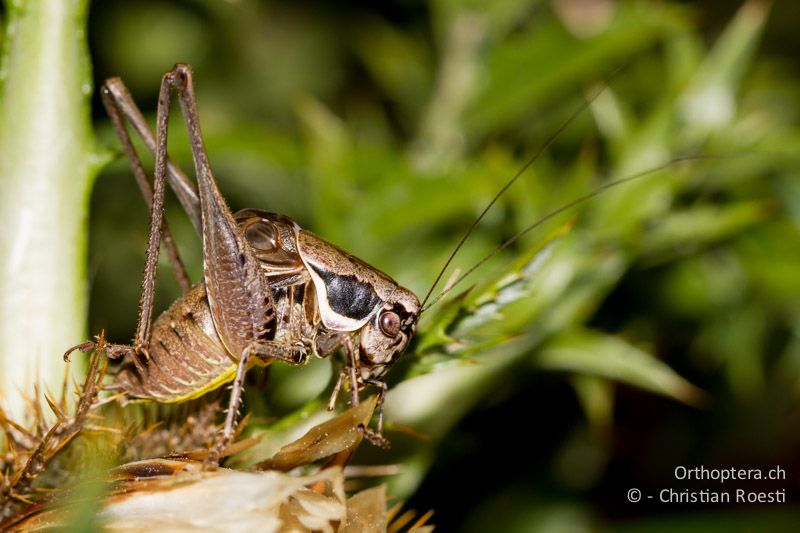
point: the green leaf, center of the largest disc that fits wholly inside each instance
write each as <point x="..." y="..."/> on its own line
<point x="701" y="226"/>
<point x="589" y="352"/>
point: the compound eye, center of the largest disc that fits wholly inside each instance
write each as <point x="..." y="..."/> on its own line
<point x="261" y="235"/>
<point x="390" y="323"/>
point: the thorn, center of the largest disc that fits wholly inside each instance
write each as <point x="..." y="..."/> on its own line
<point x="75" y="385"/>
<point x="422" y="520"/>
<point x="53" y="407"/>
<point x="102" y="429"/>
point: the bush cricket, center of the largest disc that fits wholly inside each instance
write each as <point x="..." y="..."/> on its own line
<point x="270" y="291"/>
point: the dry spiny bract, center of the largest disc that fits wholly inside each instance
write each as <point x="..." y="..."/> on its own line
<point x="169" y="430"/>
<point x="172" y="493"/>
<point x="30" y="449"/>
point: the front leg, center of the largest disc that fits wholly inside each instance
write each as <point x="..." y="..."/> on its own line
<point x="352" y="371"/>
<point x="379" y="405"/>
<point x="375" y="437"/>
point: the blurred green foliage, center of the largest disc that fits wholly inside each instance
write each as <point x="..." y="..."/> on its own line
<point x="387" y="128"/>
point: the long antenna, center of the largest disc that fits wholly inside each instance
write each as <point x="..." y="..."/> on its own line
<point x="571" y="204"/>
<point x="575" y="114"/>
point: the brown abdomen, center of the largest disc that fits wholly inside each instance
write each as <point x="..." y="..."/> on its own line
<point x="187" y="358"/>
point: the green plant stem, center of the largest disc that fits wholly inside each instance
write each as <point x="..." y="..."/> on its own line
<point x="47" y="163"/>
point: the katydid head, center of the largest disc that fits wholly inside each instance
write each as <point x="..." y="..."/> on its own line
<point x="361" y="301"/>
<point x="384" y="337"/>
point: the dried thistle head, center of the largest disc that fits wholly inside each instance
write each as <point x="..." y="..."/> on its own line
<point x="168" y="430"/>
<point x="174" y="493"/>
<point x="30" y="448"/>
<point x="56" y="447"/>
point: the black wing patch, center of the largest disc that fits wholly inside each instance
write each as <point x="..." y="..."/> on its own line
<point x="348" y="296"/>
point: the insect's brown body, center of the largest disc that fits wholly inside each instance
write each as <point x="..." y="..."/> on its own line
<point x="185" y="353"/>
<point x="186" y="356"/>
<point x="270" y="290"/>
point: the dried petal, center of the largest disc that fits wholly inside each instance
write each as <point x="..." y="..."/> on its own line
<point x="337" y="435"/>
<point x="366" y="511"/>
